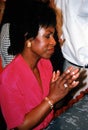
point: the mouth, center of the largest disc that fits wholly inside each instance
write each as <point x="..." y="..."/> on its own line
<point x="51" y="50"/>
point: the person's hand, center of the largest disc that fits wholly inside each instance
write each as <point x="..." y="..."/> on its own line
<point x="62" y="84"/>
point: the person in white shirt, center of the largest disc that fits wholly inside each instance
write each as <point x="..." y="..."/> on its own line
<point x="8" y="17"/>
<point x="4" y="44"/>
<point x="75" y="33"/>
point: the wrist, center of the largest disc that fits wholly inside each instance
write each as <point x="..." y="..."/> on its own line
<point x="49" y="102"/>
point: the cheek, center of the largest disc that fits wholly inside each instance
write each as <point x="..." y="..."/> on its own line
<point x="37" y="40"/>
<point x="40" y="44"/>
<point x="41" y="49"/>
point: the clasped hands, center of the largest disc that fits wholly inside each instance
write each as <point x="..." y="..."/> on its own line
<point x="62" y="84"/>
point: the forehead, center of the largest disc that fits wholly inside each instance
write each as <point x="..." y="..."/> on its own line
<point x="43" y="30"/>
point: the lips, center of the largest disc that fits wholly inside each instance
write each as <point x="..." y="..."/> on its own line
<point x="51" y="50"/>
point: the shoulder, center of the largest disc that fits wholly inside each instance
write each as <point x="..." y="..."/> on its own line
<point x="10" y="72"/>
<point x="5" y="29"/>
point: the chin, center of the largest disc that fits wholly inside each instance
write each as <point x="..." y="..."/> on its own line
<point x="48" y="57"/>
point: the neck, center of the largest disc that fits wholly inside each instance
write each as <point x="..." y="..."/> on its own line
<point x="31" y="59"/>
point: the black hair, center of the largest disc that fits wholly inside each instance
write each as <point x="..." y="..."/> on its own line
<point x="11" y="8"/>
<point x="27" y="21"/>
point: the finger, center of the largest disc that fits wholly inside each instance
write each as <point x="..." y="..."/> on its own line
<point x="74" y="71"/>
<point x="73" y="78"/>
<point x="57" y="74"/>
<point x="63" y="76"/>
<point x="74" y="84"/>
<point x="69" y="75"/>
<point x="53" y="77"/>
<point x="67" y="72"/>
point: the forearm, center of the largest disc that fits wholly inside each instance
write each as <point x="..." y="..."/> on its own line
<point x="36" y="116"/>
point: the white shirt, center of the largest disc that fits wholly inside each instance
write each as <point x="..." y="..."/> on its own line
<point x="4" y="44"/>
<point x="75" y="30"/>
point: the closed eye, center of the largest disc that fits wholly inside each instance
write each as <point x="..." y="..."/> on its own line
<point x="49" y="35"/>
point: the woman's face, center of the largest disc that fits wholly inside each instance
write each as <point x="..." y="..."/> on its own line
<point x="43" y="44"/>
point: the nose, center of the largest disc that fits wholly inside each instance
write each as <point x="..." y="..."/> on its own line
<point x="53" y="41"/>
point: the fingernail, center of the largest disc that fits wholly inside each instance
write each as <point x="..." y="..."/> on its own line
<point x="73" y="73"/>
<point x="74" y="82"/>
<point x="68" y="71"/>
<point x="74" y="76"/>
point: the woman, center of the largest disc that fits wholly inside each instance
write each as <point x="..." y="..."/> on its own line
<point x="57" y="57"/>
<point x="28" y="89"/>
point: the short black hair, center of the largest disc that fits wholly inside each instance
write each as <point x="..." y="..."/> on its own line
<point x="27" y="21"/>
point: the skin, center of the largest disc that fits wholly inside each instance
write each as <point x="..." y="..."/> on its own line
<point x="43" y="47"/>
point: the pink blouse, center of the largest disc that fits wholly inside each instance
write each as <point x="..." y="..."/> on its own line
<point x="20" y="91"/>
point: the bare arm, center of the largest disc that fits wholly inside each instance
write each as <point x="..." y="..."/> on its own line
<point x="36" y="116"/>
